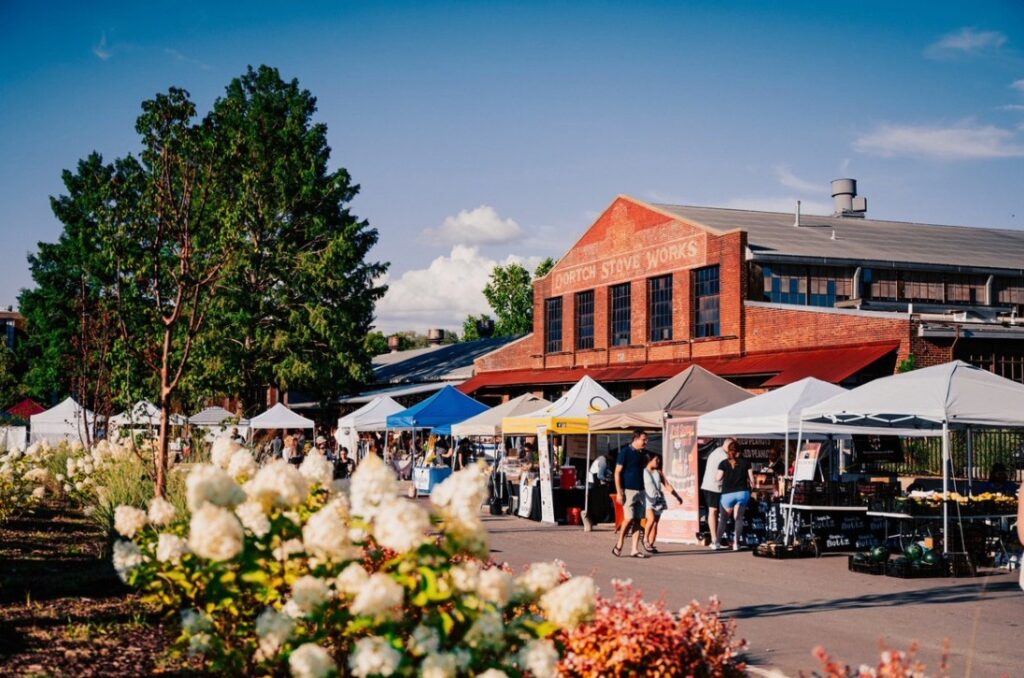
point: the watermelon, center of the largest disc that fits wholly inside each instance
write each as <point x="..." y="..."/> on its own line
<point x="913" y="551"/>
<point x="879" y="554"/>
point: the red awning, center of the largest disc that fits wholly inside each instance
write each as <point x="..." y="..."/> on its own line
<point x="26" y="408"/>
<point x="778" y="367"/>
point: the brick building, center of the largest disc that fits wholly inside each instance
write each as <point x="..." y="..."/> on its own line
<point x="764" y="299"/>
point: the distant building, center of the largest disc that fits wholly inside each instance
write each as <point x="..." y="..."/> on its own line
<point x="765" y="299"/>
<point x="11" y="323"/>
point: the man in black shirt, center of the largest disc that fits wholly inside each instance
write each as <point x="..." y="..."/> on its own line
<point x="629" y="488"/>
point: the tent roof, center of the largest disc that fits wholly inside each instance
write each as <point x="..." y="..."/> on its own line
<point x="568" y="414"/>
<point x="771" y="413"/>
<point x="142" y="413"/>
<point x="957" y="393"/>
<point x="691" y="392"/>
<point x="438" y="412"/>
<point x="279" y="416"/>
<point x="373" y="416"/>
<point x="25" y="409"/>
<point x="489" y="423"/>
<point x="66" y="411"/>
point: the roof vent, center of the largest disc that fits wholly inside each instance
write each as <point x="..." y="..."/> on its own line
<point x="435" y="336"/>
<point x="847" y="202"/>
<point x="796" y="222"/>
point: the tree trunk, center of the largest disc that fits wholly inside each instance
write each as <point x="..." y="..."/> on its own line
<point x="165" y="417"/>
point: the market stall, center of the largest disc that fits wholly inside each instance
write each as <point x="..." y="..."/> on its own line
<point x="929" y="402"/>
<point x="66" y="421"/>
<point x="212" y="421"/>
<point x="143" y="415"/>
<point x="280" y="417"/>
<point x="567" y="416"/>
<point x="436" y="414"/>
<point x="373" y="416"/>
<point x="670" y="407"/>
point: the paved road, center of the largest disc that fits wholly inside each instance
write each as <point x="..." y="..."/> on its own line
<point x="785" y="608"/>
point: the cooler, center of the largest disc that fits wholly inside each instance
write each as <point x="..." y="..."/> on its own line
<point x="568" y="481"/>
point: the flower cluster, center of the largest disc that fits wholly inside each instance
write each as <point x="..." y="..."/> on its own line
<point x="295" y="572"/>
<point x="891" y="664"/>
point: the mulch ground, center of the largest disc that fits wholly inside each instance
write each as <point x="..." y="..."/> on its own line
<point x="64" y="612"/>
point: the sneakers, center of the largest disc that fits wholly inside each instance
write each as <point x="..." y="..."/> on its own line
<point x="736" y="546"/>
<point x="716" y="546"/>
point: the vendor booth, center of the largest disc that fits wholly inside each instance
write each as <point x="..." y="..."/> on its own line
<point x="143" y="416"/>
<point x="932" y="401"/>
<point x="280" y="417"/>
<point x="67" y="421"/>
<point x="567" y="416"/>
<point x="670" y="407"/>
<point x="436" y="414"/>
<point x="373" y="416"/>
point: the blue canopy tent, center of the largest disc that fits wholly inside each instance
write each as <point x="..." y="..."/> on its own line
<point x="438" y="412"/>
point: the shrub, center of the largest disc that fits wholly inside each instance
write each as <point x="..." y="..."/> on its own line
<point x="891" y="664"/>
<point x="629" y="637"/>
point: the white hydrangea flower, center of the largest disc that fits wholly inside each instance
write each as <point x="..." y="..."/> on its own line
<point x="128" y="520"/>
<point x="215" y="533"/>
<point x="194" y="621"/>
<point x="253" y="518"/>
<point x="495" y="586"/>
<point x="242" y="464"/>
<point x="373" y="656"/>
<point x="538" y="579"/>
<point x="540" y="658"/>
<point x="464" y="658"/>
<point x="37" y="475"/>
<point x="317" y="469"/>
<point x="325" y="535"/>
<point x="487" y="632"/>
<point x="273" y="630"/>
<point x="492" y="673"/>
<point x="311" y="661"/>
<point x="221" y="451"/>
<point x="570" y="603"/>
<point x="380" y="595"/>
<point x="199" y="644"/>
<point x="352" y="579"/>
<point x="401" y="525"/>
<point x="309" y="593"/>
<point x="77" y="446"/>
<point x="39" y="492"/>
<point x="373" y="484"/>
<point x="458" y="500"/>
<point x="170" y="548"/>
<point x="127" y="557"/>
<point x="288" y="548"/>
<point x="424" y="640"/>
<point x="161" y="511"/>
<point x="208" y="484"/>
<point x="465" y="576"/>
<point x="440" y="665"/>
<point x="278" y="484"/>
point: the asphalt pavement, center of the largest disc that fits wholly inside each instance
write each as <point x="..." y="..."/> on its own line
<point x="784" y="608"/>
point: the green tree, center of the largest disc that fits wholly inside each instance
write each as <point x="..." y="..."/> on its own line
<point x="543" y="268"/>
<point x="376" y="343"/>
<point x="296" y="304"/>
<point x="11" y="389"/>
<point x="510" y="295"/>
<point x="471" y="326"/>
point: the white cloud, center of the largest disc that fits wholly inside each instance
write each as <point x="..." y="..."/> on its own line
<point x="480" y="226"/>
<point x="790" y="180"/>
<point x="1018" y="85"/>
<point x="101" y="50"/>
<point x="1012" y="107"/>
<point x="961" y="142"/>
<point x="966" y="41"/>
<point x="443" y="294"/>
<point x="181" y="58"/>
<point x="778" y="204"/>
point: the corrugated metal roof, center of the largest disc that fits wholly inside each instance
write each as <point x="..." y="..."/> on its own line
<point x="773" y="233"/>
<point x="446" y="362"/>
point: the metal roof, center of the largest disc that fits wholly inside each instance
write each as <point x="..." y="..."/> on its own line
<point x="772" y="234"/>
<point x="446" y="362"/>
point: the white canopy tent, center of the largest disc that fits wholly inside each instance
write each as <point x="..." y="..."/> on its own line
<point x="488" y="423"/>
<point x="139" y="415"/>
<point x="928" y="402"/>
<point x="279" y="416"/>
<point x="66" y="421"/>
<point x="373" y="416"/>
<point x="218" y="420"/>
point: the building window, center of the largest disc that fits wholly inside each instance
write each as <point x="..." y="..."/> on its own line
<point x="585" y="320"/>
<point x="965" y="289"/>
<point x="705" y="295"/>
<point x="923" y="287"/>
<point x="659" y="307"/>
<point x="881" y="285"/>
<point x="553" y="325"/>
<point x="785" y="284"/>
<point x="803" y="285"/>
<point x="621" y="314"/>
<point x="1011" y="291"/>
<point x="829" y="285"/>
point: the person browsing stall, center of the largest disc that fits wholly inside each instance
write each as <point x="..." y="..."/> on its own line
<point x="711" y="487"/>
<point x="655" y="487"/>
<point x="736" y="477"/>
<point x="629" y="488"/>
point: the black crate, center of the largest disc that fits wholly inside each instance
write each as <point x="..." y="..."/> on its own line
<point x="865" y="566"/>
<point x="778" y="551"/>
<point x="903" y="569"/>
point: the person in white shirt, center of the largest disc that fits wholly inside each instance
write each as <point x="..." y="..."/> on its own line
<point x="601" y="470"/>
<point x="711" y="487"/>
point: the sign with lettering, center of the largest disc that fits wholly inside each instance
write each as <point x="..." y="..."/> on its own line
<point x="877" y="449"/>
<point x="663" y="258"/>
<point x="547" y="497"/>
<point x="681" y="523"/>
<point x="807" y="462"/>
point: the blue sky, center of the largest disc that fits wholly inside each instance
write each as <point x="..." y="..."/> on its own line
<point x="481" y="131"/>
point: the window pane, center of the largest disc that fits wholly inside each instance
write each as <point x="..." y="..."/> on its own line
<point x="553" y="325"/>
<point x="621" y="314"/>
<point x="585" y="319"/>
<point x="706" y="297"/>
<point x="659" y="307"/>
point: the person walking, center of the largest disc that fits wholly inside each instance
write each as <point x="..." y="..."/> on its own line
<point x="629" y="487"/>
<point x="736" y="477"/>
<point x="711" y="487"/>
<point x="655" y="486"/>
<point x="345" y="466"/>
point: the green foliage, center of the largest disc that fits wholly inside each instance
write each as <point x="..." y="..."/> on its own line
<point x="907" y="365"/>
<point x="510" y="294"/>
<point x="376" y="343"/>
<point x="471" y="326"/>
<point x="543" y="268"/>
<point x="11" y="390"/>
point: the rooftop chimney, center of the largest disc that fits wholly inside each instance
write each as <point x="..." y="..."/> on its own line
<point x="435" y="337"/>
<point x="796" y="222"/>
<point x="845" y="199"/>
<point x="394" y="342"/>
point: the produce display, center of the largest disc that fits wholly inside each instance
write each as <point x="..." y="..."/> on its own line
<point x="930" y="503"/>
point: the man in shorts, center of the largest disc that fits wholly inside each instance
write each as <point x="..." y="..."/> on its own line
<point x="711" y="487"/>
<point x="629" y="488"/>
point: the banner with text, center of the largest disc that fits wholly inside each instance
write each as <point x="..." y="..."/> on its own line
<point x="681" y="523"/>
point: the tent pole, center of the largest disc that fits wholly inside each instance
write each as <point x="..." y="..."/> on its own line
<point x="787" y="451"/>
<point x="970" y="461"/>
<point x="945" y="488"/>
<point x="788" y="523"/>
<point x="586" y="491"/>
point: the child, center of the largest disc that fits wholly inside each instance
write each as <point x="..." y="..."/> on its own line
<point x="655" y="486"/>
